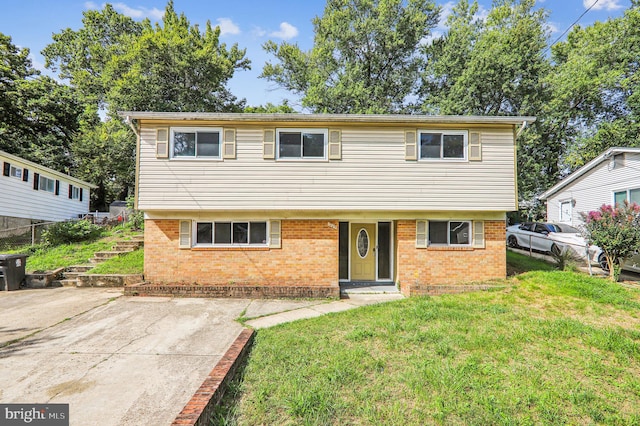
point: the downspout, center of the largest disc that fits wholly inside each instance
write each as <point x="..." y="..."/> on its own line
<point x="134" y="127"/>
<point x="524" y="124"/>
<point x="515" y="160"/>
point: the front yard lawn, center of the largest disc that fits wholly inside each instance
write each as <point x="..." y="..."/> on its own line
<point x="553" y="348"/>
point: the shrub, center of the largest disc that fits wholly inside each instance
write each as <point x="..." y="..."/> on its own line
<point x="136" y="217"/>
<point x="616" y="230"/>
<point x="71" y="232"/>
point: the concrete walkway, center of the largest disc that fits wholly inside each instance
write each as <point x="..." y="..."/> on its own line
<point x="267" y="313"/>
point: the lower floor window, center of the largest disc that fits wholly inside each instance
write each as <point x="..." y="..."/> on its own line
<point x="449" y="233"/>
<point x="231" y="233"/>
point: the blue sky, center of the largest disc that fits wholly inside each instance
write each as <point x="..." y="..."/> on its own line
<point x="249" y="23"/>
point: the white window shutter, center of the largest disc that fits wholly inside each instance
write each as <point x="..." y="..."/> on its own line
<point x="162" y="142"/>
<point x="478" y="233"/>
<point x="335" y="144"/>
<point x="422" y="231"/>
<point x="269" y="144"/>
<point x="229" y="143"/>
<point x="185" y="234"/>
<point x="275" y="234"/>
<point x="475" y="146"/>
<point x="410" y="145"/>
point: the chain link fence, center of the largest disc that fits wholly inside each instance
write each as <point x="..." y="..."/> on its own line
<point x="14" y="238"/>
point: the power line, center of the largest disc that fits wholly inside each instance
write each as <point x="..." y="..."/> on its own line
<point x="570" y="26"/>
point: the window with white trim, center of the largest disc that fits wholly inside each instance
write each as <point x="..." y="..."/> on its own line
<point x="47" y="184"/>
<point x="75" y="193"/>
<point x="15" y="172"/>
<point x="449" y="233"/>
<point x="191" y="142"/>
<point x="227" y="233"/>
<point x="302" y="143"/>
<point x="443" y="145"/>
<point x="630" y="195"/>
<point x="565" y="211"/>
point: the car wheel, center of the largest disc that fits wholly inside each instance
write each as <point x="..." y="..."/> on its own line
<point x="555" y="250"/>
<point x="602" y="261"/>
<point x="512" y="241"/>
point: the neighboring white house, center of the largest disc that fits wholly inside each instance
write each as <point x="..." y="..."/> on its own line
<point x="612" y="177"/>
<point x="30" y="192"/>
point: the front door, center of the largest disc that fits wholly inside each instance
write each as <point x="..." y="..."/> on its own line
<point x="363" y="253"/>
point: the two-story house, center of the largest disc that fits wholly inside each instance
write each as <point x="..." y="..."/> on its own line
<point x="294" y="204"/>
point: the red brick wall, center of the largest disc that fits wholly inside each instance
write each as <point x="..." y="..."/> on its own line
<point x="421" y="269"/>
<point x="308" y="257"/>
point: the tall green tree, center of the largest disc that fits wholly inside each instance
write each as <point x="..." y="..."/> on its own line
<point x="363" y="59"/>
<point x="39" y="117"/>
<point x="596" y="87"/>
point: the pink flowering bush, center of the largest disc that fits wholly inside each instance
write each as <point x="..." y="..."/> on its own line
<point x="616" y="230"/>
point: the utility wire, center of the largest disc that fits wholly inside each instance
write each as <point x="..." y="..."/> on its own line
<point x="570" y="26"/>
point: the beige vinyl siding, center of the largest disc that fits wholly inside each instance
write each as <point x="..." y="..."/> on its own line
<point x="595" y="188"/>
<point x="19" y="199"/>
<point x="372" y="174"/>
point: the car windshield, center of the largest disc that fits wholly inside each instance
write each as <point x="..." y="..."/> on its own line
<point x="554" y="227"/>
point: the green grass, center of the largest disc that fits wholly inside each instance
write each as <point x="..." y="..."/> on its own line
<point x="518" y="263"/>
<point x="43" y="258"/>
<point x="553" y="348"/>
<point x="130" y="263"/>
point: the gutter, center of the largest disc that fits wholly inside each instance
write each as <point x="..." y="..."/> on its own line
<point x="524" y="124"/>
<point x="129" y="121"/>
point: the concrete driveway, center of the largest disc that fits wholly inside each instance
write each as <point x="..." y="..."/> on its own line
<point x="115" y="360"/>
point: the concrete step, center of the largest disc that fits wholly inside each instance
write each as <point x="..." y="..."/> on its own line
<point x="127" y="245"/>
<point x="71" y="275"/>
<point x="78" y="268"/>
<point x="106" y="254"/>
<point x="68" y="283"/>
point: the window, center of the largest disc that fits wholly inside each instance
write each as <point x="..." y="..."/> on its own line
<point x="75" y="193"/>
<point x="231" y="233"/>
<point x="565" y="211"/>
<point x="15" y="172"/>
<point x="46" y="184"/>
<point x="195" y="142"/>
<point x="443" y="145"/>
<point x="449" y="233"/>
<point x="630" y="195"/>
<point x="302" y="143"/>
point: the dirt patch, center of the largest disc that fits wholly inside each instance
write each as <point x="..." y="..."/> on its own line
<point x="69" y="388"/>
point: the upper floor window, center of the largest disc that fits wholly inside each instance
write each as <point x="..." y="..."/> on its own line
<point x="47" y="184"/>
<point x="15" y="172"/>
<point x="192" y="142"/>
<point x="443" y="145"/>
<point x="450" y="233"/>
<point x="75" y="193"/>
<point x="302" y="143"/>
<point x="630" y="195"/>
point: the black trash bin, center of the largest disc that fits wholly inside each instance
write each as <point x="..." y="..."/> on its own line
<point x="12" y="271"/>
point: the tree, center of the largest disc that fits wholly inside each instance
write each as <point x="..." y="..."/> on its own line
<point x="596" y="90"/>
<point x="270" y="108"/>
<point x="38" y="116"/>
<point x="363" y="59"/>
<point x="616" y="230"/>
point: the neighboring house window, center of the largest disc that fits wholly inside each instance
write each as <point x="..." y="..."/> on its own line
<point x="302" y="143"/>
<point x="15" y="172"/>
<point x="565" y="211"/>
<point x="231" y="233"/>
<point x="195" y="142"/>
<point x="630" y="195"/>
<point x="75" y="193"/>
<point x="47" y="184"/>
<point x="449" y="233"/>
<point x="443" y="145"/>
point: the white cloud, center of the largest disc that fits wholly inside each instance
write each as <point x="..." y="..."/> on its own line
<point x="140" y="12"/>
<point x="90" y="5"/>
<point x="227" y="26"/>
<point x="258" y="32"/>
<point x="603" y="4"/>
<point x="287" y="31"/>
<point x="552" y="28"/>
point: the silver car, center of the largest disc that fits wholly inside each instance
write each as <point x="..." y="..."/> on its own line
<point x="550" y="238"/>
